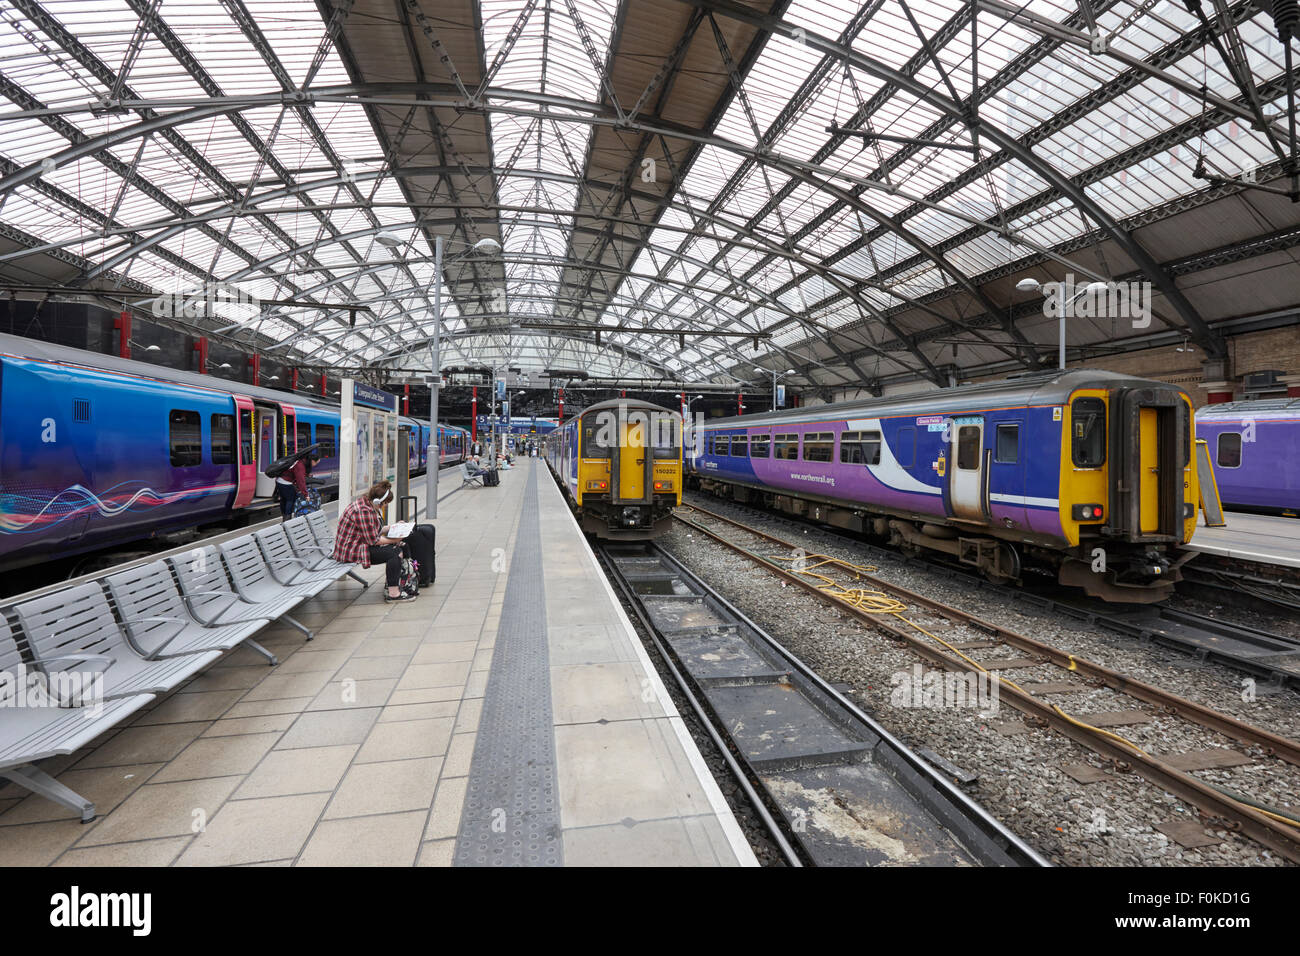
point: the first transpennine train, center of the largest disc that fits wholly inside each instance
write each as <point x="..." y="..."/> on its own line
<point x="98" y="451"/>
<point x="1087" y="473"/>
<point x="1255" y="448"/>
<point x="620" y="463"/>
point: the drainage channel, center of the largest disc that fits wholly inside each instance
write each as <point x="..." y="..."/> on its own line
<point x="849" y="793"/>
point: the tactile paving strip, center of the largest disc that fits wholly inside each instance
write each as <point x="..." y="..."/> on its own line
<point x="511" y="815"/>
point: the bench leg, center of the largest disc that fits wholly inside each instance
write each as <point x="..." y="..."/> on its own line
<point x="271" y="658"/>
<point x="364" y="582"/>
<point x="288" y="620"/>
<point x="41" y="783"/>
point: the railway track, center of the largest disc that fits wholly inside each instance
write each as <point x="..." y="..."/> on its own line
<point x="847" y="792"/>
<point x="1261" y="654"/>
<point x="912" y="619"/>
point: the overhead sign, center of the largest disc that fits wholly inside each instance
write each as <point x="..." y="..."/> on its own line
<point x="780" y="395"/>
<point x="374" y="397"/>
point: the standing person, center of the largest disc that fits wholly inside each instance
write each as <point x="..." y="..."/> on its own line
<point x="289" y="486"/>
<point x="359" y="538"/>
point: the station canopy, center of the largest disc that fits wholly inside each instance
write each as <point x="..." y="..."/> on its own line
<point x="850" y="191"/>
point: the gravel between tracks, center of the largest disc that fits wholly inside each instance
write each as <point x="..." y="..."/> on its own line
<point x="1101" y="824"/>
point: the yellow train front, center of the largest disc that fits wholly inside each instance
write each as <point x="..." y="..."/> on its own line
<point x="620" y="463"/>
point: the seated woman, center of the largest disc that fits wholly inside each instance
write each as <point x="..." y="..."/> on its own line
<point x="359" y="538"/>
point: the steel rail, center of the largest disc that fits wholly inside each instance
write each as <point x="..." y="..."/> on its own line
<point x="1283" y="747"/>
<point x="1283" y="838"/>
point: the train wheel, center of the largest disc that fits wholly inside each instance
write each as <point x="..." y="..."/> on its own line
<point x="1006" y="567"/>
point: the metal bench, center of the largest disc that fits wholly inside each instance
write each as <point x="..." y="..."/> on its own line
<point x="320" y="527"/>
<point x="253" y="581"/>
<point x="66" y="627"/>
<point x="305" y="545"/>
<point x="30" y="733"/>
<point x="468" y="479"/>
<point x="288" y="568"/>
<point x="206" y="590"/>
<point x="155" y="615"/>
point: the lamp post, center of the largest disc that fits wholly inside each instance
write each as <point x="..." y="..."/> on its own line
<point x="1030" y="284"/>
<point x="775" y="373"/>
<point x="434" y="460"/>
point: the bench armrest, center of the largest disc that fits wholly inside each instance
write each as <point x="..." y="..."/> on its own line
<point x="80" y="658"/>
<point x="153" y="654"/>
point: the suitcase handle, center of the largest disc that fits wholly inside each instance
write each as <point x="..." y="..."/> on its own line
<point x="415" y="504"/>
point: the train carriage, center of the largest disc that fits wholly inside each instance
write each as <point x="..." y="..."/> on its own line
<point x="1254" y="446"/>
<point x="620" y="463"/>
<point x="1086" y="472"/>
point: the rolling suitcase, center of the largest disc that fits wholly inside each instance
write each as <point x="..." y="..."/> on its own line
<point x="421" y="545"/>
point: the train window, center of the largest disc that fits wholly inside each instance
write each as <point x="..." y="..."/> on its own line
<point x="968" y="447"/>
<point x="665" y="436"/>
<point x="760" y="446"/>
<point x="595" y="438"/>
<point x="905" y="447"/>
<point x="787" y="447"/>
<point x="223" y="439"/>
<point x="1229" y="450"/>
<point x="740" y="446"/>
<point x="246" y="454"/>
<point x="325" y="437"/>
<point x="818" y="446"/>
<point x="186" y="436"/>
<point x="1088" y="442"/>
<point x="860" y="448"/>
<point x="722" y="445"/>
<point x="304" y="435"/>
<point x="1007" y="449"/>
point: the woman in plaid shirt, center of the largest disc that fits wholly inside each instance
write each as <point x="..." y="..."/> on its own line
<point x="359" y="539"/>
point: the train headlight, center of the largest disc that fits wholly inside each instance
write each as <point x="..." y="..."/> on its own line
<point x="598" y="485"/>
<point x="1087" y="512"/>
<point x="663" y="486"/>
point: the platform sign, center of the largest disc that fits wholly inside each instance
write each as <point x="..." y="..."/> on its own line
<point x="367" y="439"/>
<point x="780" y="396"/>
<point x="501" y="389"/>
<point x="505" y="413"/>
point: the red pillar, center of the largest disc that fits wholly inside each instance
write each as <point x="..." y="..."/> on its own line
<point x="255" y="363"/>
<point x="473" y="416"/>
<point x="740" y="403"/>
<point x="201" y="346"/>
<point x="406" y="400"/>
<point x="123" y="325"/>
<point x="561" y="406"/>
<point x="324" y="381"/>
<point x="293" y="380"/>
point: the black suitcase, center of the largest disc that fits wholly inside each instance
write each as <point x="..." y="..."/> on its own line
<point x="423" y="547"/>
<point x="491" y="477"/>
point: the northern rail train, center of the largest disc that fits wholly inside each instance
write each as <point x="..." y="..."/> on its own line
<point x="1085" y="473"/>
<point x="620" y="464"/>
<point x="99" y="452"/>
<point x="1255" y="448"/>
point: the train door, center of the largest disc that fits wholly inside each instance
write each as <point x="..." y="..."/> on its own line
<point x="1148" y="470"/>
<point x="246" y="440"/>
<point x="968" y="474"/>
<point x="633" y="459"/>
<point x="1006" y="481"/>
<point x="268" y="421"/>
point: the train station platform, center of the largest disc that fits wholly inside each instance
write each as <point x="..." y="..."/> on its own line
<point x="508" y="716"/>
<point x="1267" y="539"/>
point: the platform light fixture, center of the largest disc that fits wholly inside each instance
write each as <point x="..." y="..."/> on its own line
<point x="1030" y="284"/>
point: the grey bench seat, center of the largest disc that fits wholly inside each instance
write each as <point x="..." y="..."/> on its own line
<point x="305" y="545"/>
<point x="160" y="625"/>
<point x="64" y="627"/>
<point x="291" y="569"/>
<point x="32" y="733"/>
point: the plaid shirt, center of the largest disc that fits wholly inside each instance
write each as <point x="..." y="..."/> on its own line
<point x="358" y="529"/>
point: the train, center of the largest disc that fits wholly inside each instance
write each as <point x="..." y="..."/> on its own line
<point x="1254" y="446"/>
<point x="100" y="452"/>
<point x="620" y="465"/>
<point x="1083" y="473"/>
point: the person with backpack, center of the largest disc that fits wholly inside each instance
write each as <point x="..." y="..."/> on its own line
<point x="359" y="539"/>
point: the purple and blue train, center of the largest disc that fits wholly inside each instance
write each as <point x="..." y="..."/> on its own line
<point x="99" y="452"/>
<point x="1086" y="473"/>
<point x="1255" y="447"/>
